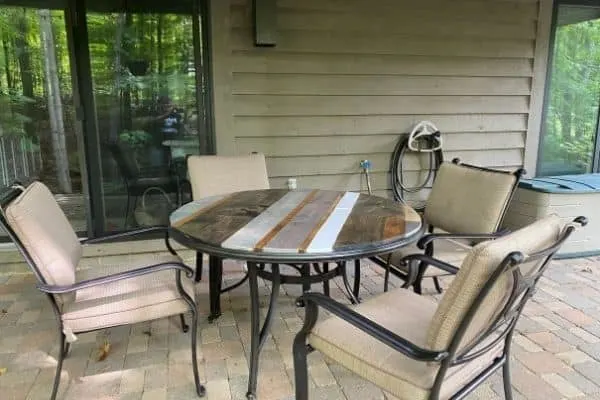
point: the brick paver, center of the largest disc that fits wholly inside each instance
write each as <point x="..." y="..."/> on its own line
<point x="556" y="351"/>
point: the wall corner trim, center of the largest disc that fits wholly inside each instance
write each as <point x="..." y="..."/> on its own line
<point x="538" y="86"/>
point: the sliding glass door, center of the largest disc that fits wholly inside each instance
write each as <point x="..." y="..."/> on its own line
<point x="102" y="100"/>
<point x="143" y="68"/>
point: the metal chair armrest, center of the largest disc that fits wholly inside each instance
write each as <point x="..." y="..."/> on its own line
<point x="425" y="240"/>
<point x="371" y="328"/>
<point x="56" y="289"/>
<point x="431" y="261"/>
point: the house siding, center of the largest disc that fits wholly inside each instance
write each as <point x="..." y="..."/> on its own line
<point x="348" y="77"/>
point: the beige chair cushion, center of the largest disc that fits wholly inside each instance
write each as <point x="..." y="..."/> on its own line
<point x="214" y="175"/>
<point x="46" y="234"/>
<point x="449" y="251"/>
<point x="129" y="301"/>
<point x="468" y="200"/>
<point x="475" y="271"/>
<point x="408" y="315"/>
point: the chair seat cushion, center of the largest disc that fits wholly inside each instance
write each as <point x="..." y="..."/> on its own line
<point x="150" y="296"/>
<point x="408" y="315"/>
<point x="450" y="251"/>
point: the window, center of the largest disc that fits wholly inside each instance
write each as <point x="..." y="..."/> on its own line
<point x="569" y="141"/>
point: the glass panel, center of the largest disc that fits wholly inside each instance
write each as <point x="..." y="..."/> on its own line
<point x="144" y="77"/>
<point x="38" y="135"/>
<point x="570" y="126"/>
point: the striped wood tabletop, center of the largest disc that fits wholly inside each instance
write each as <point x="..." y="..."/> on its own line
<point x="294" y="224"/>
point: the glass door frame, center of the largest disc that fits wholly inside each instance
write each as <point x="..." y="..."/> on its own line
<point x="85" y="107"/>
<point x="551" y="47"/>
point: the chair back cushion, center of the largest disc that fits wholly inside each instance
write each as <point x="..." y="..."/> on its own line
<point x="481" y="261"/>
<point x="465" y="199"/>
<point x="45" y="233"/>
<point x="215" y="175"/>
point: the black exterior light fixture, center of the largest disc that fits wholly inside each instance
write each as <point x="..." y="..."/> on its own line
<point x="265" y="22"/>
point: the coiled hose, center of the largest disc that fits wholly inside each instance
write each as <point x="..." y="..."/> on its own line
<point x="399" y="188"/>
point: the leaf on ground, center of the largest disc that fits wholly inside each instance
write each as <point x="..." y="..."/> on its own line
<point x="104" y="350"/>
<point x="2" y="371"/>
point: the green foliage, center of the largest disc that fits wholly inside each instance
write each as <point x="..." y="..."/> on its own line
<point x="127" y="106"/>
<point x="12" y="120"/>
<point x="163" y="41"/>
<point x="136" y="138"/>
<point x="572" y="116"/>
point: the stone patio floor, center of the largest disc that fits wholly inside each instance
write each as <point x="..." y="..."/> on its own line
<point x="556" y="351"/>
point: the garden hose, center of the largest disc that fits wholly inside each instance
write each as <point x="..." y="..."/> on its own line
<point x="429" y="143"/>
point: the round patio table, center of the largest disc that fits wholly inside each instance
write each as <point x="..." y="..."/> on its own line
<point x="298" y="228"/>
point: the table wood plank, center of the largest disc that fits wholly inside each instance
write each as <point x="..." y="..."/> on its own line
<point x="376" y="219"/>
<point x="230" y="216"/>
<point x="248" y="237"/>
<point x="286" y="220"/>
<point x="326" y="237"/>
<point x="299" y="230"/>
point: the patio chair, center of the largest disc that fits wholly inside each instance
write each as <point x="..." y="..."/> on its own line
<point x="90" y="300"/>
<point x="137" y="181"/>
<point x="466" y="205"/>
<point x="211" y="175"/>
<point x="215" y="175"/>
<point x="416" y="349"/>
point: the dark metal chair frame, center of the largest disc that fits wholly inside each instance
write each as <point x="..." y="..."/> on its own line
<point x="167" y="180"/>
<point x="415" y="277"/>
<point x="8" y="194"/>
<point x="502" y="327"/>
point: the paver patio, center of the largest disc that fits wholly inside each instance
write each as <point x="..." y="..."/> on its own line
<point x="556" y="352"/>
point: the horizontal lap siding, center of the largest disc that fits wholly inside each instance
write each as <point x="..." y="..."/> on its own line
<point x="348" y="77"/>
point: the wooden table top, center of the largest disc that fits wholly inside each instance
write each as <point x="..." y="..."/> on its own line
<point x="278" y="225"/>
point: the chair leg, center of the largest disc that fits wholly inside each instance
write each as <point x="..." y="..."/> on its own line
<point x="61" y="355"/>
<point x="386" y="278"/>
<point x="344" y="271"/>
<point x="417" y="286"/>
<point x="437" y="284"/>
<point x="357" y="279"/>
<point x="200" y="389"/>
<point x="300" y="351"/>
<point x="326" y="287"/>
<point x="184" y="327"/>
<point x="135" y="200"/>
<point x="127" y="211"/>
<point x="178" y="196"/>
<point x="506" y="375"/>
<point x="67" y="350"/>
<point x="199" y="267"/>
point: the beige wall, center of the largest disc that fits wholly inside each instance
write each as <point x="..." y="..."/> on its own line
<point x="347" y="77"/>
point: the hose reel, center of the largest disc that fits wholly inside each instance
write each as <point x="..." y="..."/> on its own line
<point x="424" y="138"/>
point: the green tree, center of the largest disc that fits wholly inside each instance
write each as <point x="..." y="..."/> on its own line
<point x="572" y="116"/>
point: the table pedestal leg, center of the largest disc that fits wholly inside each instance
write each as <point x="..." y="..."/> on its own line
<point x="215" y="281"/>
<point x="258" y="335"/>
